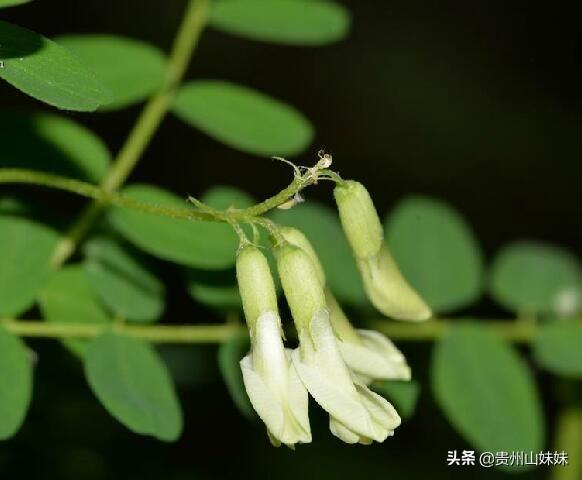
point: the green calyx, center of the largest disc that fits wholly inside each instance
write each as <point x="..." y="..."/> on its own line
<point x="255" y="283"/>
<point x="359" y="219"/>
<point x="297" y="238"/>
<point x="301" y="283"/>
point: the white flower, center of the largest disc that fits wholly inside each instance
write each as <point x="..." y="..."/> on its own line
<point x="368" y="353"/>
<point x="274" y="388"/>
<point x="271" y="382"/>
<point x="388" y="290"/>
<point x="356" y="413"/>
<point x="375" y="357"/>
<point x="385" y="286"/>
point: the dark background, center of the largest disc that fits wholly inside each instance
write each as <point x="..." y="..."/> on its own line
<point x="475" y="102"/>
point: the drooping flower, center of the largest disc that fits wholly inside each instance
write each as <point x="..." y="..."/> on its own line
<point x="356" y="413"/>
<point x="385" y="286"/>
<point x="387" y="289"/>
<point x="367" y="353"/>
<point x="271" y="381"/>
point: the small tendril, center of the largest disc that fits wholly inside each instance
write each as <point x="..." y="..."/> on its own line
<point x="296" y="169"/>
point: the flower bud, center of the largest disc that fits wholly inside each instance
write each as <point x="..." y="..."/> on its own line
<point x="297" y="238"/>
<point x="359" y="219"/>
<point x="388" y="291"/>
<point x="255" y="283"/>
<point x="301" y="284"/>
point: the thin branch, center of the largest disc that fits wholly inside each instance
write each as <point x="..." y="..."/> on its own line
<point x="516" y="331"/>
<point x="151" y="333"/>
<point x="32" y="177"/>
<point x="144" y="129"/>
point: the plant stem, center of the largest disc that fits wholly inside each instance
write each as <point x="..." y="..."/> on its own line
<point x="511" y="330"/>
<point x="516" y="331"/>
<point x="569" y="440"/>
<point x="150" y="118"/>
<point x="259" y="209"/>
<point x="14" y="175"/>
<point x="103" y="197"/>
<point x="151" y="333"/>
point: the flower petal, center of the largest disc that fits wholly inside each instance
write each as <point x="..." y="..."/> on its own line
<point x="265" y="403"/>
<point x="388" y="290"/>
<point x="384" y="416"/>
<point x="298" y="401"/>
<point x="342" y="432"/>
<point x="375" y="357"/>
<point x="323" y="371"/>
<point x="273" y="386"/>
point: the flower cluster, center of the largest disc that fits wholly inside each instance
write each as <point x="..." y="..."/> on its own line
<point x="334" y="362"/>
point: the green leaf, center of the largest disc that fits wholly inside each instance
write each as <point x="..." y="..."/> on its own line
<point x="230" y="353"/>
<point x="26" y="248"/>
<point x="486" y="391"/>
<point x="404" y="395"/>
<point x="51" y="143"/>
<point x="133" y="384"/>
<point x="436" y="251"/>
<point x="118" y="278"/>
<point x="534" y="277"/>
<point x="44" y="70"/>
<point x="557" y="348"/>
<point x="294" y="22"/>
<point x="132" y="70"/>
<point x="10" y="3"/>
<point x="242" y="118"/>
<point x="206" y="245"/>
<point x="68" y="298"/>
<point x="322" y="227"/>
<point x="15" y="383"/>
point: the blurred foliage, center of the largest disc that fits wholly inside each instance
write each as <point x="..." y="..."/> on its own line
<point x="481" y="385"/>
<point x="131" y="381"/>
<point x="15" y="384"/>
<point x="67" y="147"/>
<point x="68" y="297"/>
<point x="127" y="287"/>
<point x="222" y="110"/>
<point x="139" y="68"/>
<point x="437" y="252"/>
<point x="25" y="250"/>
<point x="487" y="391"/>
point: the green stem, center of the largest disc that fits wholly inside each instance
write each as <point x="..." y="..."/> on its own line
<point x="401" y="332"/>
<point x="151" y="333"/>
<point x="259" y="209"/>
<point x="515" y="331"/>
<point x="102" y="197"/>
<point x="150" y="118"/>
<point x="569" y="440"/>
